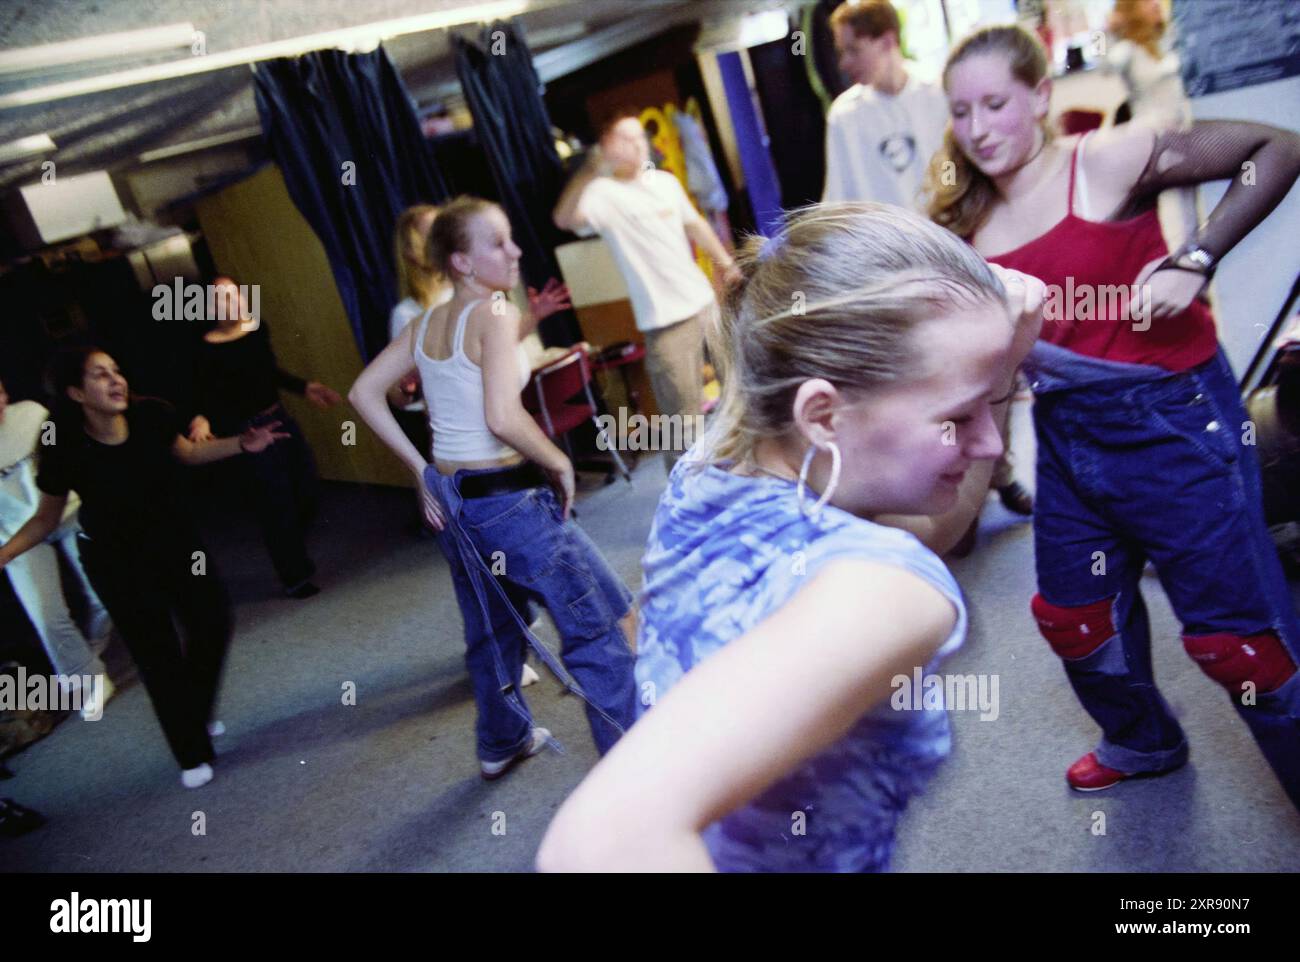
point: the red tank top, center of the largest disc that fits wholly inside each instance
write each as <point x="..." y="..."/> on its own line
<point x="1089" y="268"/>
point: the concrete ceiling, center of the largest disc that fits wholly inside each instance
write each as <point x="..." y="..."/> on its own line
<point x="110" y="129"/>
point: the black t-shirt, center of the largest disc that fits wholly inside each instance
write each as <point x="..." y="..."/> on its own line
<point x="129" y="491"/>
<point x="234" y="380"/>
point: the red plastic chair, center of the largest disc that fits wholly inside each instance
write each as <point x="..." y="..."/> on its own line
<point x="559" y="397"/>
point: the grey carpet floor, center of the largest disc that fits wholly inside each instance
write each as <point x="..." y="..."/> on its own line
<point x="307" y="783"/>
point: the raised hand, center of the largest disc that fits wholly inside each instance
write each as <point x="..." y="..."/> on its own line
<point x="553" y="297"/>
<point x="200" y="429"/>
<point x="257" y="439"/>
<point x="322" y="395"/>
<point x="1025" y="297"/>
<point x="728" y="277"/>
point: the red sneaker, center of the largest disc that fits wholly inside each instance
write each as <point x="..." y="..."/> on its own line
<point x="1090" y="775"/>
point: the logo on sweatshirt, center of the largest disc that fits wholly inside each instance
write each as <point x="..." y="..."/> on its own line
<point x="899" y="150"/>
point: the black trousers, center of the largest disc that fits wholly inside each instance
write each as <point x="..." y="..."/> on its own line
<point x="280" y="485"/>
<point x="150" y="586"/>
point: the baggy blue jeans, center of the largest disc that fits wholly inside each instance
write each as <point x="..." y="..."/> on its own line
<point x="1159" y="466"/>
<point x="515" y="545"/>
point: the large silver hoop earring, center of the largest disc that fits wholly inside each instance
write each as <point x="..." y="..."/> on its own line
<point x="830" y="485"/>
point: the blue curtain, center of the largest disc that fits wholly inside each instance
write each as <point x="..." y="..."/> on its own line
<point x="513" y="128"/>
<point x="755" y="158"/>
<point x="344" y="132"/>
<point x="794" y="119"/>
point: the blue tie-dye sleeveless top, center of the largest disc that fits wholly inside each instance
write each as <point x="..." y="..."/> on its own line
<point x="724" y="553"/>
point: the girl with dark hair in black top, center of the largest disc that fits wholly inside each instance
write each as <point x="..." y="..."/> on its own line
<point x="140" y="548"/>
<point x="236" y="383"/>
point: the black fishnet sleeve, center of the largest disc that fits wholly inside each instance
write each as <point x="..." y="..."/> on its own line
<point x="1263" y="163"/>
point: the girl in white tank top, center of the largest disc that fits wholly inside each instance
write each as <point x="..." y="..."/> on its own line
<point x="500" y="488"/>
<point x="453" y="391"/>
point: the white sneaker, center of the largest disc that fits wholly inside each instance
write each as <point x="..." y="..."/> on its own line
<point x="494" y="770"/>
<point x="529" y="677"/>
<point x="216" y="728"/>
<point x="196" y="777"/>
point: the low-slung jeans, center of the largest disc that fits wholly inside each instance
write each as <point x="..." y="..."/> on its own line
<point x="514" y="545"/>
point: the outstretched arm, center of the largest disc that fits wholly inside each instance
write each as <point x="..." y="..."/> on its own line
<point x="704" y="237"/>
<point x="714" y="742"/>
<point x="48" y="516"/>
<point x="218" y="449"/>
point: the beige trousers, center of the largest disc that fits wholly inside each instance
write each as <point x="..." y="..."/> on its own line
<point x="675" y="363"/>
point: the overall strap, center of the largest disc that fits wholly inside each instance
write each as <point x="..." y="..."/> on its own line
<point x="1074" y="174"/>
<point x="486" y="586"/>
<point x="458" y="341"/>
<point x="418" y="344"/>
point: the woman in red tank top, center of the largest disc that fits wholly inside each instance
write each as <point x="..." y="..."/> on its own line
<point x="1145" y="451"/>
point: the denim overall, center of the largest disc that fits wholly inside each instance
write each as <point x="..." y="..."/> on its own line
<point x="504" y="548"/>
<point x="1137" y="463"/>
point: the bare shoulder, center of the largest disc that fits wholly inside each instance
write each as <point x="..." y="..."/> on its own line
<point x="1119" y="154"/>
<point x="433" y="332"/>
<point x="494" y="310"/>
<point x="493" y="320"/>
<point x="891" y="606"/>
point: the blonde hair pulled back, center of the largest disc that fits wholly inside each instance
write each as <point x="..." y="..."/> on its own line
<point x="835" y="294"/>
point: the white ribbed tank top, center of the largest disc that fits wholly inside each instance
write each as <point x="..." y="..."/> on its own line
<point x="453" y="392"/>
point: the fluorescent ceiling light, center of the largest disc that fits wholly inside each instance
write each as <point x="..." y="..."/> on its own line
<point x="556" y="35"/>
<point x="740" y="33"/>
<point x="26" y="147"/>
<point x="129" y="43"/>
<point x="293" y="47"/>
<point x="765" y="27"/>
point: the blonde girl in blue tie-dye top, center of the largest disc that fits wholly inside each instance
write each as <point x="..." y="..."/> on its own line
<point x="874" y="353"/>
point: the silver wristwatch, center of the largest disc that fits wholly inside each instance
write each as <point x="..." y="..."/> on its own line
<point x="1203" y="260"/>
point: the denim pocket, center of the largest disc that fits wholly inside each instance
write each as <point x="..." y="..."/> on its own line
<point x="551" y="502"/>
<point x="589" y="615"/>
<point x="479" y="514"/>
<point x="1192" y="415"/>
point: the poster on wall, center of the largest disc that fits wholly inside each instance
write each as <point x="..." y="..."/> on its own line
<point x="1227" y="44"/>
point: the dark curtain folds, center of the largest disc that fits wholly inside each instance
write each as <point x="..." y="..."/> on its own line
<point x="796" y="124"/>
<point x="510" y="120"/>
<point x="344" y="132"/>
<point x="795" y="88"/>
